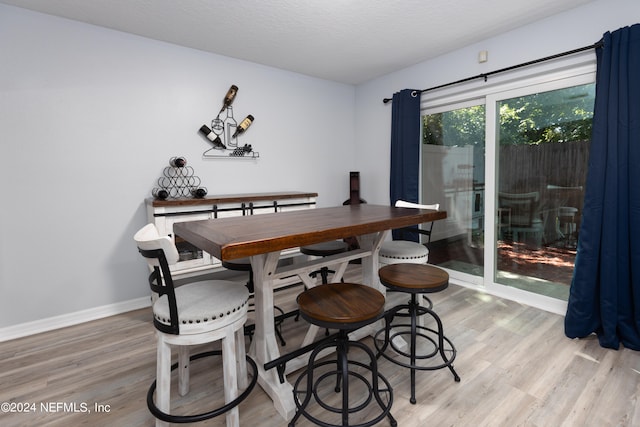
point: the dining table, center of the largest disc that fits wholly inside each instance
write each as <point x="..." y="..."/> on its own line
<point x="263" y="237"/>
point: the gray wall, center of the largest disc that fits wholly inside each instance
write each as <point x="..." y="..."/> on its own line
<point x="89" y="117"/>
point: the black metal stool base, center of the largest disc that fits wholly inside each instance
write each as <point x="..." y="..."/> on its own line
<point x="343" y="374"/>
<point x="437" y="344"/>
<point x="278" y="319"/>
<point x="182" y="419"/>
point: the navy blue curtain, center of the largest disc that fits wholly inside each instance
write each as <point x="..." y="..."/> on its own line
<point x="405" y="149"/>
<point x="605" y="290"/>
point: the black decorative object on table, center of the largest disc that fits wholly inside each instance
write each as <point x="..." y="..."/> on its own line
<point x="354" y="199"/>
<point x="178" y="180"/>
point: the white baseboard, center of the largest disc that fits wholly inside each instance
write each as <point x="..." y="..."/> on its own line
<point x="70" y="319"/>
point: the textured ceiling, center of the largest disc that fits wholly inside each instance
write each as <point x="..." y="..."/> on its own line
<point x="349" y="41"/>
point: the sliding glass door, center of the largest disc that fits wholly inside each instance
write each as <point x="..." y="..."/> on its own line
<point x="542" y="148"/>
<point x="510" y="170"/>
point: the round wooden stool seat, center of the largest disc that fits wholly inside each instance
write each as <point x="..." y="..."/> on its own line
<point x="414" y="278"/>
<point x="325" y="248"/>
<point x="341" y="305"/>
<point x="240" y="264"/>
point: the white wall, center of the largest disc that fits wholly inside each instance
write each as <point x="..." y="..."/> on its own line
<point x="89" y="118"/>
<point x="579" y="27"/>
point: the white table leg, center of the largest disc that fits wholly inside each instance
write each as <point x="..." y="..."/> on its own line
<point x="370" y="264"/>
<point x="266" y="346"/>
<point x="370" y="267"/>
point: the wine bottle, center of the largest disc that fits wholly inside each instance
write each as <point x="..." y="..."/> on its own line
<point x="217" y="142"/>
<point x="229" y="97"/>
<point x="243" y="126"/>
<point x="178" y="162"/>
<point x="160" y="193"/>
<point x="199" y="193"/>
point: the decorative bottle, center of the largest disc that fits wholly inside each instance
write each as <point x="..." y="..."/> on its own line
<point x="229" y="97"/>
<point x="199" y="193"/>
<point x="243" y="126"/>
<point x="211" y="136"/>
<point x="160" y="193"/>
<point x="230" y="126"/>
<point x="178" y="162"/>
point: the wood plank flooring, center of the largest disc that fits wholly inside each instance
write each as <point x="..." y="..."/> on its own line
<point x="516" y="365"/>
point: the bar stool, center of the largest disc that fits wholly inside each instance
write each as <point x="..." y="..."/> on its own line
<point x="415" y="279"/>
<point x="322" y="250"/>
<point x="244" y="264"/>
<point x="567" y="224"/>
<point x="195" y="313"/>
<point x="345" y="307"/>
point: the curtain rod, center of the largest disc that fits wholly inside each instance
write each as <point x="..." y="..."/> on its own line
<point x="513" y="67"/>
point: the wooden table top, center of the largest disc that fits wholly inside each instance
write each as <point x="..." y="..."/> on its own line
<point x="237" y="237"/>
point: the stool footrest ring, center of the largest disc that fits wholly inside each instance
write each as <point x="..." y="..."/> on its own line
<point x="378" y="385"/>
<point x="447" y="361"/>
<point x="181" y="419"/>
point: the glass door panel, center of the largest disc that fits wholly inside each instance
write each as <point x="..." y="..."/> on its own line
<point x="453" y="164"/>
<point x="542" y="149"/>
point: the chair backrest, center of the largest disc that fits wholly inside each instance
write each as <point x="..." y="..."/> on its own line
<point x="160" y="252"/>
<point x="403" y="233"/>
<point x="524" y="207"/>
<point x="403" y="204"/>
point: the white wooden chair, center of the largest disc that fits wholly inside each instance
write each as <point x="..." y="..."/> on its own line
<point x="404" y="251"/>
<point x="195" y="313"/>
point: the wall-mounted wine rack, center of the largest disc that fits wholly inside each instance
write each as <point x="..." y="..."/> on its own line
<point x="225" y="133"/>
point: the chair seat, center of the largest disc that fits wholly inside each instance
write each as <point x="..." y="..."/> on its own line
<point x="414" y="278"/>
<point x="205" y="305"/>
<point x="403" y="251"/>
<point x="240" y="264"/>
<point x="325" y="248"/>
<point x="341" y="305"/>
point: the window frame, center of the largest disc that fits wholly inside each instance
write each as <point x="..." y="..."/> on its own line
<point x="551" y="75"/>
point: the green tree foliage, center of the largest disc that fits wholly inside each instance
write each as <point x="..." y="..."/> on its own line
<point x="556" y="116"/>
<point x="461" y="127"/>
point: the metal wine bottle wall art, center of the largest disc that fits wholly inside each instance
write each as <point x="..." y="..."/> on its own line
<point x="178" y="180"/>
<point x="224" y="133"/>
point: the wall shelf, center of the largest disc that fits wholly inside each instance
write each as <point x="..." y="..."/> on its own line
<point x="215" y="153"/>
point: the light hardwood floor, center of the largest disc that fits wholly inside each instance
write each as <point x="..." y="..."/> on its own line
<point x="516" y="365"/>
